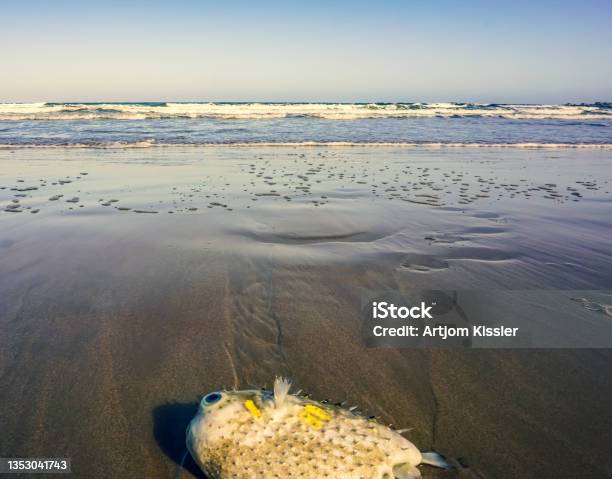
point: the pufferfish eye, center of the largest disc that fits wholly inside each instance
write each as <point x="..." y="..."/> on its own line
<point x="211" y="398"/>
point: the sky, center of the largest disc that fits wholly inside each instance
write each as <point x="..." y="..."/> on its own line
<point x="411" y="50"/>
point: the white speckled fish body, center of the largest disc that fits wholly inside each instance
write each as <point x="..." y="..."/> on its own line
<point x="255" y="434"/>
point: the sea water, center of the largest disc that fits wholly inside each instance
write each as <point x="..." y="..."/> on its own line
<point x="111" y="125"/>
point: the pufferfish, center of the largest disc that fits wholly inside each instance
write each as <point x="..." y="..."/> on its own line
<point x="274" y="434"/>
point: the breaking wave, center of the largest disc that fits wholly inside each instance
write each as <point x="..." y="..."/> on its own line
<point x="329" y="111"/>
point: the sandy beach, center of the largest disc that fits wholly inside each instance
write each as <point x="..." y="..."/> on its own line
<point x="135" y="281"/>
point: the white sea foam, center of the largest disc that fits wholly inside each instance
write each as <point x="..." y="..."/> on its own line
<point x="313" y="144"/>
<point x="329" y="111"/>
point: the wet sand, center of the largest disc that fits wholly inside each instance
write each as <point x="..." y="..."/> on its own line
<point x="134" y="281"/>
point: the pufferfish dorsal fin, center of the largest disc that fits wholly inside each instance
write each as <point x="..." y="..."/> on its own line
<point x="281" y="390"/>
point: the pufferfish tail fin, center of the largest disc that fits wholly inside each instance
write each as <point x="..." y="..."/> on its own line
<point x="432" y="458"/>
<point x="281" y="390"/>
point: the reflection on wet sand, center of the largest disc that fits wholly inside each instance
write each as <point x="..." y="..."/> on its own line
<point x="114" y="323"/>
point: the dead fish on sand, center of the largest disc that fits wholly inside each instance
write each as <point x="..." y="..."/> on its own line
<point x="275" y="434"/>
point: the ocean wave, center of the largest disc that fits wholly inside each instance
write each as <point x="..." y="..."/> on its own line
<point x="330" y="144"/>
<point x="327" y="111"/>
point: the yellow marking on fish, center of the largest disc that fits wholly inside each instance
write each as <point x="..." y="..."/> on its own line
<point x="318" y="412"/>
<point x="314" y="416"/>
<point x="250" y="405"/>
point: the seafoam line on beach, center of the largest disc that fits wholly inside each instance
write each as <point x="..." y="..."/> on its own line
<point x="316" y="144"/>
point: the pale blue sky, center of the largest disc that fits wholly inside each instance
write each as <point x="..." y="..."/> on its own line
<point x="485" y="51"/>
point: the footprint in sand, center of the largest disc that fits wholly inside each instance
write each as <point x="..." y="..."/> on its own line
<point x="418" y="263"/>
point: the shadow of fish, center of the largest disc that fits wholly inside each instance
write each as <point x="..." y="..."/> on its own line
<point x="275" y="434"/>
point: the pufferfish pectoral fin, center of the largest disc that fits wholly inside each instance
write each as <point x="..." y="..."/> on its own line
<point x="406" y="471"/>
